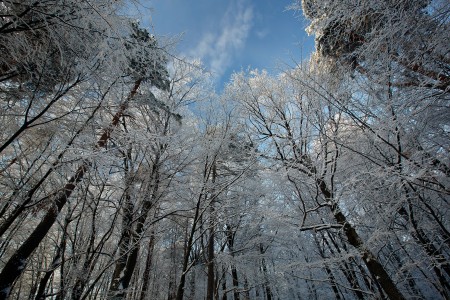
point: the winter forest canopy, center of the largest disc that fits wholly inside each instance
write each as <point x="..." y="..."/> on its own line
<point x="124" y="175"/>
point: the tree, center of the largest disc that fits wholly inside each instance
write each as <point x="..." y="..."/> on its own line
<point x="366" y="36"/>
<point x="406" y="67"/>
<point x="137" y="68"/>
<point x="299" y="132"/>
<point x="124" y="175"/>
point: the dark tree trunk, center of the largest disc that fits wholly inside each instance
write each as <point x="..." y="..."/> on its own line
<point x="15" y="266"/>
<point x="211" y="278"/>
<point x="148" y="267"/>
<point x="348" y="271"/>
<point x="40" y="295"/>
<point x="5" y="225"/>
<point x="187" y="250"/>
<point x="17" y="263"/>
<point x="375" y="267"/>
<point x="421" y="238"/>
<point x="210" y="289"/>
<point x="246" y="290"/>
<point x="197" y="216"/>
<point x="127" y="218"/>
<point x="224" y="284"/>
<point x="230" y="243"/>
<point x="330" y="275"/>
<point x="119" y="286"/>
<point x="266" y="284"/>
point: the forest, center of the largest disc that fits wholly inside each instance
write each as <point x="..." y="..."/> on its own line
<point x="124" y="174"/>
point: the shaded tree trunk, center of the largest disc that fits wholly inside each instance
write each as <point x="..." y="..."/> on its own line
<point x="15" y="266"/>
<point x="125" y="272"/>
<point x="348" y="271"/>
<point x="330" y="275"/>
<point x="127" y="218"/>
<point x="40" y="294"/>
<point x="188" y="249"/>
<point x="230" y="243"/>
<point x="210" y="289"/>
<point x="266" y="285"/>
<point x="148" y="267"/>
<point x="373" y="265"/>
<point x="13" y="215"/>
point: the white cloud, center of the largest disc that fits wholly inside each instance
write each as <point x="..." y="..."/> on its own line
<point x="216" y="49"/>
<point x="262" y="33"/>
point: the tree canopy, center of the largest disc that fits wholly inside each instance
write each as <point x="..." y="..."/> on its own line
<point x="125" y="175"/>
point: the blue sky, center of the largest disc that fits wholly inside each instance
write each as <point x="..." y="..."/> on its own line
<point x="230" y="35"/>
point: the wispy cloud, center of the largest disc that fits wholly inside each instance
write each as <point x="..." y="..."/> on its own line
<point x="262" y="33"/>
<point x="216" y="49"/>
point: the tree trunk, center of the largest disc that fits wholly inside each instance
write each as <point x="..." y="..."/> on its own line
<point x="421" y="238"/>
<point x="246" y="290"/>
<point x="125" y="236"/>
<point x="40" y="295"/>
<point x="119" y="286"/>
<point x="375" y="267"/>
<point x="330" y="275"/>
<point x="148" y="267"/>
<point x="348" y="271"/>
<point x="210" y="282"/>
<point x="197" y="217"/>
<point x="187" y="250"/>
<point x="17" y="262"/>
<point x="89" y="262"/>
<point x="12" y="216"/>
<point x="210" y="289"/>
<point x="230" y="243"/>
<point x="266" y="284"/>
<point x="15" y="266"/>
<point x="224" y="284"/>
